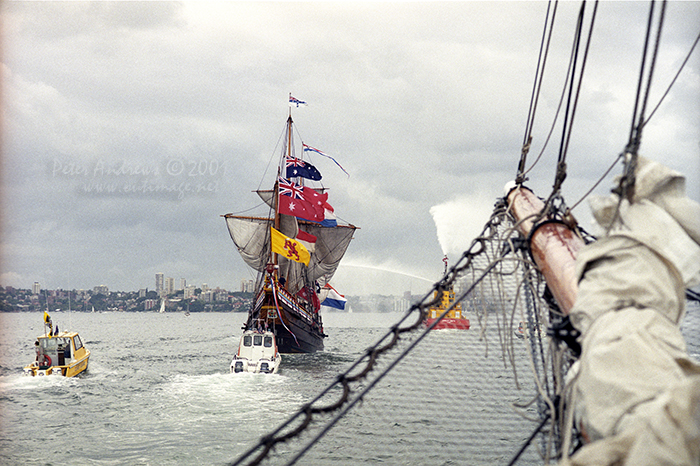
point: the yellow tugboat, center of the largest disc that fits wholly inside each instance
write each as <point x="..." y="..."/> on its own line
<point x="58" y="353"/>
<point x="454" y="318"/>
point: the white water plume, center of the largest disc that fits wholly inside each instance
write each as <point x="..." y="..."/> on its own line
<point x="460" y="220"/>
<point x="360" y="276"/>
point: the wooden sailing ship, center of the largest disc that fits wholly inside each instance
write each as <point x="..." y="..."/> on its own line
<point x="295" y="249"/>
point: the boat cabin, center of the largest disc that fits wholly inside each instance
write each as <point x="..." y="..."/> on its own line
<point x="257" y="352"/>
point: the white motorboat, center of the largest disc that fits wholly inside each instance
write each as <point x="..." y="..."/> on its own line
<point x="257" y="352"/>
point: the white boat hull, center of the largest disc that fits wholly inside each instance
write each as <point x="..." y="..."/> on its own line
<point x="264" y="366"/>
<point x="257" y="353"/>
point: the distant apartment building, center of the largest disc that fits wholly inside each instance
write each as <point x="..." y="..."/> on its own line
<point x="169" y="285"/>
<point x="101" y="289"/>
<point x="159" y="283"/>
<point x="36" y="288"/>
<point x="402" y="304"/>
<point x="150" y="304"/>
<point x="143" y="292"/>
<point x="183" y="284"/>
<point x="189" y="292"/>
<point x="247" y="286"/>
<point x="215" y="295"/>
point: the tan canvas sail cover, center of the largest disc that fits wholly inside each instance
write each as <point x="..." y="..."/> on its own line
<point x="635" y="390"/>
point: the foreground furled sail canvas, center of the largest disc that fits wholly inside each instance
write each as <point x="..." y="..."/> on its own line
<point x="286" y="293"/>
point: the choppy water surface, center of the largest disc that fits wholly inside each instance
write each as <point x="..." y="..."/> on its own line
<point x="159" y="392"/>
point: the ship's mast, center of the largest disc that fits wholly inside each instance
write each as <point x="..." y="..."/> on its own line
<point x="279" y="171"/>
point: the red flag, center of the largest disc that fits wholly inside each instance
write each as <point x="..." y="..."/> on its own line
<point x="307" y="239"/>
<point x="311" y="296"/>
<point x="319" y="199"/>
<point x="293" y="202"/>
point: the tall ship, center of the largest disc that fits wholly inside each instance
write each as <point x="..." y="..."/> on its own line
<point x="295" y="249"/>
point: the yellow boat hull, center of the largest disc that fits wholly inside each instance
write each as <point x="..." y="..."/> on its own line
<point x="70" y="370"/>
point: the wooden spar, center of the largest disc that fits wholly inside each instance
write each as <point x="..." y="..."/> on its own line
<point x="276" y="202"/>
<point x="554" y="246"/>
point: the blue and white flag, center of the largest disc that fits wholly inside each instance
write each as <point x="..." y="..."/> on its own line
<point x="334" y="299"/>
<point x="329" y="219"/>
<point x="294" y="102"/>
<point x="308" y="148"/>
<point x="296" y="167"/>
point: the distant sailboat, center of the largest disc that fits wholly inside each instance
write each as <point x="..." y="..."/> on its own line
<point x="162" y="306"/>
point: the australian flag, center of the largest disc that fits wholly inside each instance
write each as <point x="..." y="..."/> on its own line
<point x="297" y="167"/>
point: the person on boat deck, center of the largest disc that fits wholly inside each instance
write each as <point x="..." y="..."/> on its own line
<point x="37" y="349"/>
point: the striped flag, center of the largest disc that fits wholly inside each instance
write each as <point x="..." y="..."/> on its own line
<point x="294" y="102"/>
<point x="307" y="240"/>
<point x="308" y="148"/>
<point x="334" y="299"/>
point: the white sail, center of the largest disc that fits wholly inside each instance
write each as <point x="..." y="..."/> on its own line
<point x="251" y="237"/>
<point x="331" y="244"/>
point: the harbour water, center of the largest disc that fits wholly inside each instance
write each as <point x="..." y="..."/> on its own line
<point x="158" y="392"/>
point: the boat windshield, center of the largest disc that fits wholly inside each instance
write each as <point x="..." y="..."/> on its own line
<point x="77" y="342"/>
<point x="268" y="342"/>
<point x="56" y="343"/>
<point x="247" y="340"/>
<point x="257" y="340"/>
<point x="50" y="343"/>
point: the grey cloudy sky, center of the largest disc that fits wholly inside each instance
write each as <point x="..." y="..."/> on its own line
<point x="129" y="128"/>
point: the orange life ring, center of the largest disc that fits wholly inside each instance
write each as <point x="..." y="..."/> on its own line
<point x="47" y="360"/>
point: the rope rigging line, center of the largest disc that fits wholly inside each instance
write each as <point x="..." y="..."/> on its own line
<point x="552" y="127"/>
<point x="272" y="156"/>
<point x="536" y="88"/>
<point x="673" y="81"/>
<point x="357" y="372"/>
<point x="572" y="98"/>
<point x="571" y="106"/>
<point x="562" y="155"/>
<point x="625" y="188"/>
<point x="644" y="123"/>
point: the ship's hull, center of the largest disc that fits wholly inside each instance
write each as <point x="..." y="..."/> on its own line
<point x="451" y="312"/>
<point x="448" y="323"/>
<point x="297" y="328"/>
<point x="69" y="370"/>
